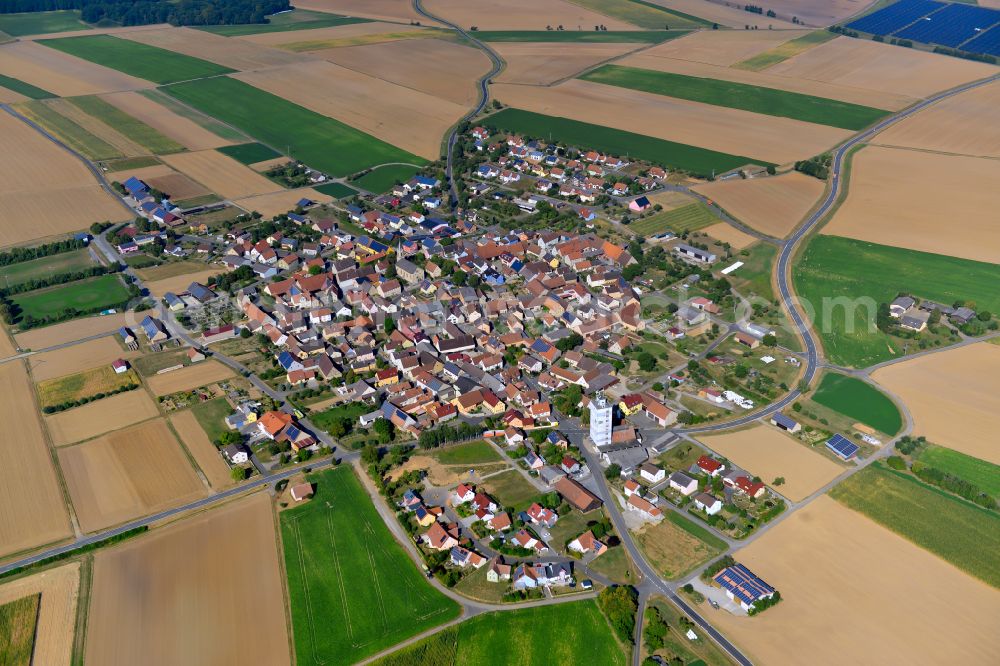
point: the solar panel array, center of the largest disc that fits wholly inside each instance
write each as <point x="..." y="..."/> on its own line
<point x="843" y="447"/>
<point x="743" y="583"/>
<point x="957" y="26"/>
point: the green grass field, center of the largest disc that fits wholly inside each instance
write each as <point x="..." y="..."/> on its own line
<point x="511" y="490"/>
<point x="784" y="51"/>
<point x="644" y="14"/>
<point x="336" y="190"/>
<point x="211" y="416"/>
<point x="859" y="400"/>
<point x="106" y="290"/>
<point x="249" y="153"/>
<point x="686" y="218"/>
<point x="18" y="621"/>
<point x="140" y="60"/>
<point x="353" y="590"/>
<point x="298" y="19"/>
<point x="696" y="530"/>
<point x="321" y="142"/>
<point x="41" y="23"/>
<point x="147" y="137"/>
<point x="69" y="132"/>
<point x="350" y="410"/>
<point x="209" y="123"/>
<point x="467" y="454"/>
<point x="23" y="88"/>
<point x="755" y="273"/>
<point x="984" y="475"/>
<point x="966" y="535"/>
<point x="64" y="262"/>
<point x="382" y="179"/>
<point x="439" y="649"/>
<point x="757" y="99"/>
<point x="840" y="268"/>
<point x="581" y="36"/>
<point x="695" y="160"/>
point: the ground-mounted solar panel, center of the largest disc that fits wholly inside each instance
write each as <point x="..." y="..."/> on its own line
<point x="895" y="17"/>
<point x="988" y="42"/>
<point x="951" y="26"/>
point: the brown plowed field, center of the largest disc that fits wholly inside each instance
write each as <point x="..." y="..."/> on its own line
<point x="521" y="14"/>
<point x="59" y="334"/>
<point x="270" y="205"/>
<point x="77" y="358"/>
<point x="545" y="63"/>
<point x="127" y="474"/>
<point x="182" y="130"/>
<point x="45" y="191"/>
<point x="439" y="68"/>
<point x="60" y="590"/>
<point x="387" y="10"/>
<point x="774" y="205"/>
<point x="202" y="450"/>
<point x="768" y="138"/>
<point x="180" y="595"/>
<point x="952" y="397"/>
<point x="97" y="418"/>
<point x="32" y="510"/>
<point x="407" y="118"/>
<point x="179" y="283"/>
<point x="729" y="234"/>
<point x="843" y="579"/>
<point x="882" y="67"/>
<point x="902" y="197"/>
<point x="723" y="47"/>
<point x="60" y="73"/>
<point x="232" y="53"/>
<point x="189" y="377"/>
<point x="221" y="174"/>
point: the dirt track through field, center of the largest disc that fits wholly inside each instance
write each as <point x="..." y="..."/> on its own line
<point x="60" y="73"/>
<point x="202" y="450"/>
<point x="45" y="191"/>
<point x="77" y="358"/>
<point x="32" y="510"/>
<point x="843" y="580"/>
<point x="182" y="130"/>
<point x="221" y="174"/>
<point x="922" y="201"/>
<point x="127" y="474"/>
<point x="722" y="47"/>
<point x="232" y="53"/>
<point x="205" y="590"/>
<point x="60" y="590"/>
<point x="952" y="397"/>
<point x="544" y="63"/>
<point x="97" y="418"/>
<point x="190" y="377"/>
<point x="774" y="205"/>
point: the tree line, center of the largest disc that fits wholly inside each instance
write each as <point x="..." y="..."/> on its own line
<point x="145" y="12"/>
<point x="18" y="255"/>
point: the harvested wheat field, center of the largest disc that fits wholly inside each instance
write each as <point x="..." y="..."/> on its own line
<point x="269" y="164"/>
<point x="60" y="73"/>
<point x="168" y="597"/>
<point x="774" y="206"/>
<point x="178" y="186"/>
<point x="844" y="580"/>
<point x="387" y="10"/>
<point x="521" y="14"/>
<point x="900" y="197"/>
<point x="952" y="397"/>
<point x="97" y="418"/>
<point x="6" y="345"/>
<point x="727" y="233"/>
<point x="60" y="590"/>
<point x="865" y="97"/>
<point x="202" y="450"/>
<point x="724" y="15"/>
<point x="819" y="13"/>
<point x="270" y="205"/>
<point x="60" y="334"/>
<point x="769" y="453"/>
<point x="189" y="377"/>
<point x="44" y="190"/>
<point x="232" y="53"/>
<point x="406" y="118"/>
<point x="671" y="200"/>
<point x="179" y="283"/>
<point x="32" y="511"/>
<point x="127" y="474"/>
<point x="964" y="124"/>
<point x="723" y="47"/>
<point x="77" y="358"/>
<point x="8" y="96"/>
<point x="346" y="34"/>
<point x="768" y="138"/>
<point x="440" y="68"/>
<point x="182" y="130"/>
<point x="221" y="174"/>
<point x="881" y="67"/>
<point x="544" y="63"/>
<point x="96" y="127"/>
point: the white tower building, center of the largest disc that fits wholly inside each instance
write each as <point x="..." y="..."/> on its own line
<point x="601" y="420"/>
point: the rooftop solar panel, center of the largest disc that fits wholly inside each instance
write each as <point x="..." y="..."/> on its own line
<point x="842" y="446"/>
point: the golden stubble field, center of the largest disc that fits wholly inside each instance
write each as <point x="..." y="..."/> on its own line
<point x="773" y="205"/>
<point x="185" y="594"/>
<point x="179" y="283"/>
<point x="853" y="592"/>
<point x="165" y="179"/>
<point x="182" y="130"/>
<point x="69" y="331"/>
<point x="60" y="73"/>
<point x="902" y="197"/>
<point x="77" y="358"/>
<point x="45" y="191"/>
<point x="189" y="377"/>
<point x="60" y="590"/>
<point x="543" y="63"/>
<point x="727" y="233"/>
<point x="952" y="397"/>
<point x="127" y="474"/>
<point x="276" y="203"/>
<point x="97" y="418"/>
<point x="769" y="453"/>
<point x="32" y="510"/>
<point x="221" y="174"/>
<point x="340" y="34"/>
<point x="387" y="10"/>
<point x="722" y="47"/>
<point x="767" y="138"/>
<point x="522" y="15"/>
<point x="202" y="450"/>
<point x="232" y="53"/>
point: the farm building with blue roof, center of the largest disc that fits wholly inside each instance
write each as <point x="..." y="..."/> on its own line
<point x="743" y="586"/>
